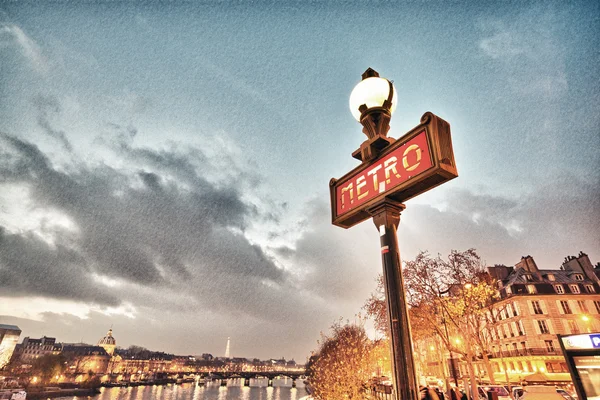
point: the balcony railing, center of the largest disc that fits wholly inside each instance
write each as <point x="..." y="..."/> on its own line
<point x="526" y="352"/>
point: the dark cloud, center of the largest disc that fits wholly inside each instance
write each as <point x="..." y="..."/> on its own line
<point x="175" y="234"/>
<point x="29" y="265"/>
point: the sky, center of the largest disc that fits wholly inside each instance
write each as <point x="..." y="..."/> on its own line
<point x="164" y="166"/>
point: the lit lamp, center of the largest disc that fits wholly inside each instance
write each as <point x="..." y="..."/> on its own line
<point x="586" y="319"/>
<point x="372" y="102"/>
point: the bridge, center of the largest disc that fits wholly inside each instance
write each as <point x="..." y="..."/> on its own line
<point x="247" y="375"/>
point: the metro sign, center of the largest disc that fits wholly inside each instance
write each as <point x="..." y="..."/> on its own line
<point x="413" y="164"/>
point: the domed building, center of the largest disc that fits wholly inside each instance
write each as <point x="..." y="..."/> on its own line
<point x="108" y="342"/>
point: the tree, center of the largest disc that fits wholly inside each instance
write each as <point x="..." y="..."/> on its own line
<point x="343" y="364"/>
<point x="448" y="299"/>
<point x="48" y="366"/>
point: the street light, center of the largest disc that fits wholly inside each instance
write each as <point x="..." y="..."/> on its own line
<point x="372" y="103"/>
<point x="392" y="171"/>
<point x="373" y="92"/>
<point x="586" y="319"/>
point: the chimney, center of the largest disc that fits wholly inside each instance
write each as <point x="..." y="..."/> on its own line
<point x="529" y="265"/>
<point x="586" y="265"/>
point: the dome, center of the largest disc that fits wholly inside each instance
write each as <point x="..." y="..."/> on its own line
<point x="108" y="339"/>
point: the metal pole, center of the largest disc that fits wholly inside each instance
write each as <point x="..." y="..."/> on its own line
<point x="386" y="217"/>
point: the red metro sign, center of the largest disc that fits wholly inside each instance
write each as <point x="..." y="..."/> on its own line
<point x="413" y="164"/>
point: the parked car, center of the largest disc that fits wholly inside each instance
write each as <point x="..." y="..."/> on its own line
<point x="501" y="390"/>
<point x="517" y="392"/>
<point x="541" y="393"/>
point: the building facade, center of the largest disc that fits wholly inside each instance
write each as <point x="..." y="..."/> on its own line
<point x="9" y="338"/>
<point x="30" y="349"/>
<point x="535" y="306"/>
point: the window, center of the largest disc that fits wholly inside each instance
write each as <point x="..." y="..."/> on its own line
<point x="578" y="277"/>
<point x="531" y="289"/>
<point x="582" y="306"/>
<point x="573" y="326"/>
<point x="523" y="346"/>
<point x="559" y="289"/>
<point x="551" y="277"/>
<point x="574" y="288"/>
<point x="590" y="288"/>
<point x="549" y="346"/>
<point x="514" y="309"/>
<point x="537" y="309"/>
<point x="504" y="332"/>
<point x="597" y="305"/>
<point x="543" y="326"/>
<point x="565" y="307"/>
<point x="521" y="329"/>
<point x="510" y="330"/>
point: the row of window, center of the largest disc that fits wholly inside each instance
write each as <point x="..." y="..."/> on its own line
<point x="558" y="288"/>
<point x="511" y="310"/>
<point x="564" y="306"/>
<point x="531" y="289"/>
<point x="510" y="329"/>
<point x="543" y="326"/>
<point x="550" y="277"/>
<point x="513" y="350"/>
<point x="516" y="328"/>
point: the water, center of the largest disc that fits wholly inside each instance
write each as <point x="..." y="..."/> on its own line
<point x="234" y="390"/>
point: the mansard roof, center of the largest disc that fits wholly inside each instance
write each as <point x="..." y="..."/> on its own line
<point x="560" y="277"/>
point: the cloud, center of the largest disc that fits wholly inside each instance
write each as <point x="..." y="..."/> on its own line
<point x="553" y="221"/>
<point x="162" y="238"/>
<point x="46" y="106"/>
<point x="164" y="228"/>
<point x="529" y="50"/>
<point x="28" y="47"/>
<point x="501" y="45"/>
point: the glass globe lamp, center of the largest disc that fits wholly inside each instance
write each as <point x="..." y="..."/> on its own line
<point x="373" y="92"/>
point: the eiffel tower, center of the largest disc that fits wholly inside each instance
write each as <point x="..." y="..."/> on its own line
<point x="227" y="355"/>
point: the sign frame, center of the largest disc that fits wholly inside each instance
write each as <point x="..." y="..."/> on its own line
<point x="443" y="169"/>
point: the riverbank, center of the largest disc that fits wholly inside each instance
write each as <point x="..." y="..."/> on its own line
<point x="50" y="394"/>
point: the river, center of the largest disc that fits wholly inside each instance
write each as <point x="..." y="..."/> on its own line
<point x="258" y="390"/>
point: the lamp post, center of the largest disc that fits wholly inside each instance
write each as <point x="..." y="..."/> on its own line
<point x="372" y="103"/>
<point x="392" y="171"/>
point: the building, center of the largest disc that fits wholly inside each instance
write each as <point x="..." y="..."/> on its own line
<point x="108" y="343"/>
<point x="9" y="337"/>
<point x="84" y="361"/>
<point x="535" y="306"/>
<point x="30" y="349"/>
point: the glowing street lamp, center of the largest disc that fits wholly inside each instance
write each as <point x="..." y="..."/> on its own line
<point x="392" y="171"/>
<point x="587" y="320"/>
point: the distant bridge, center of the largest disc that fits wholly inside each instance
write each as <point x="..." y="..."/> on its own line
<point x="247" y="375"/>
